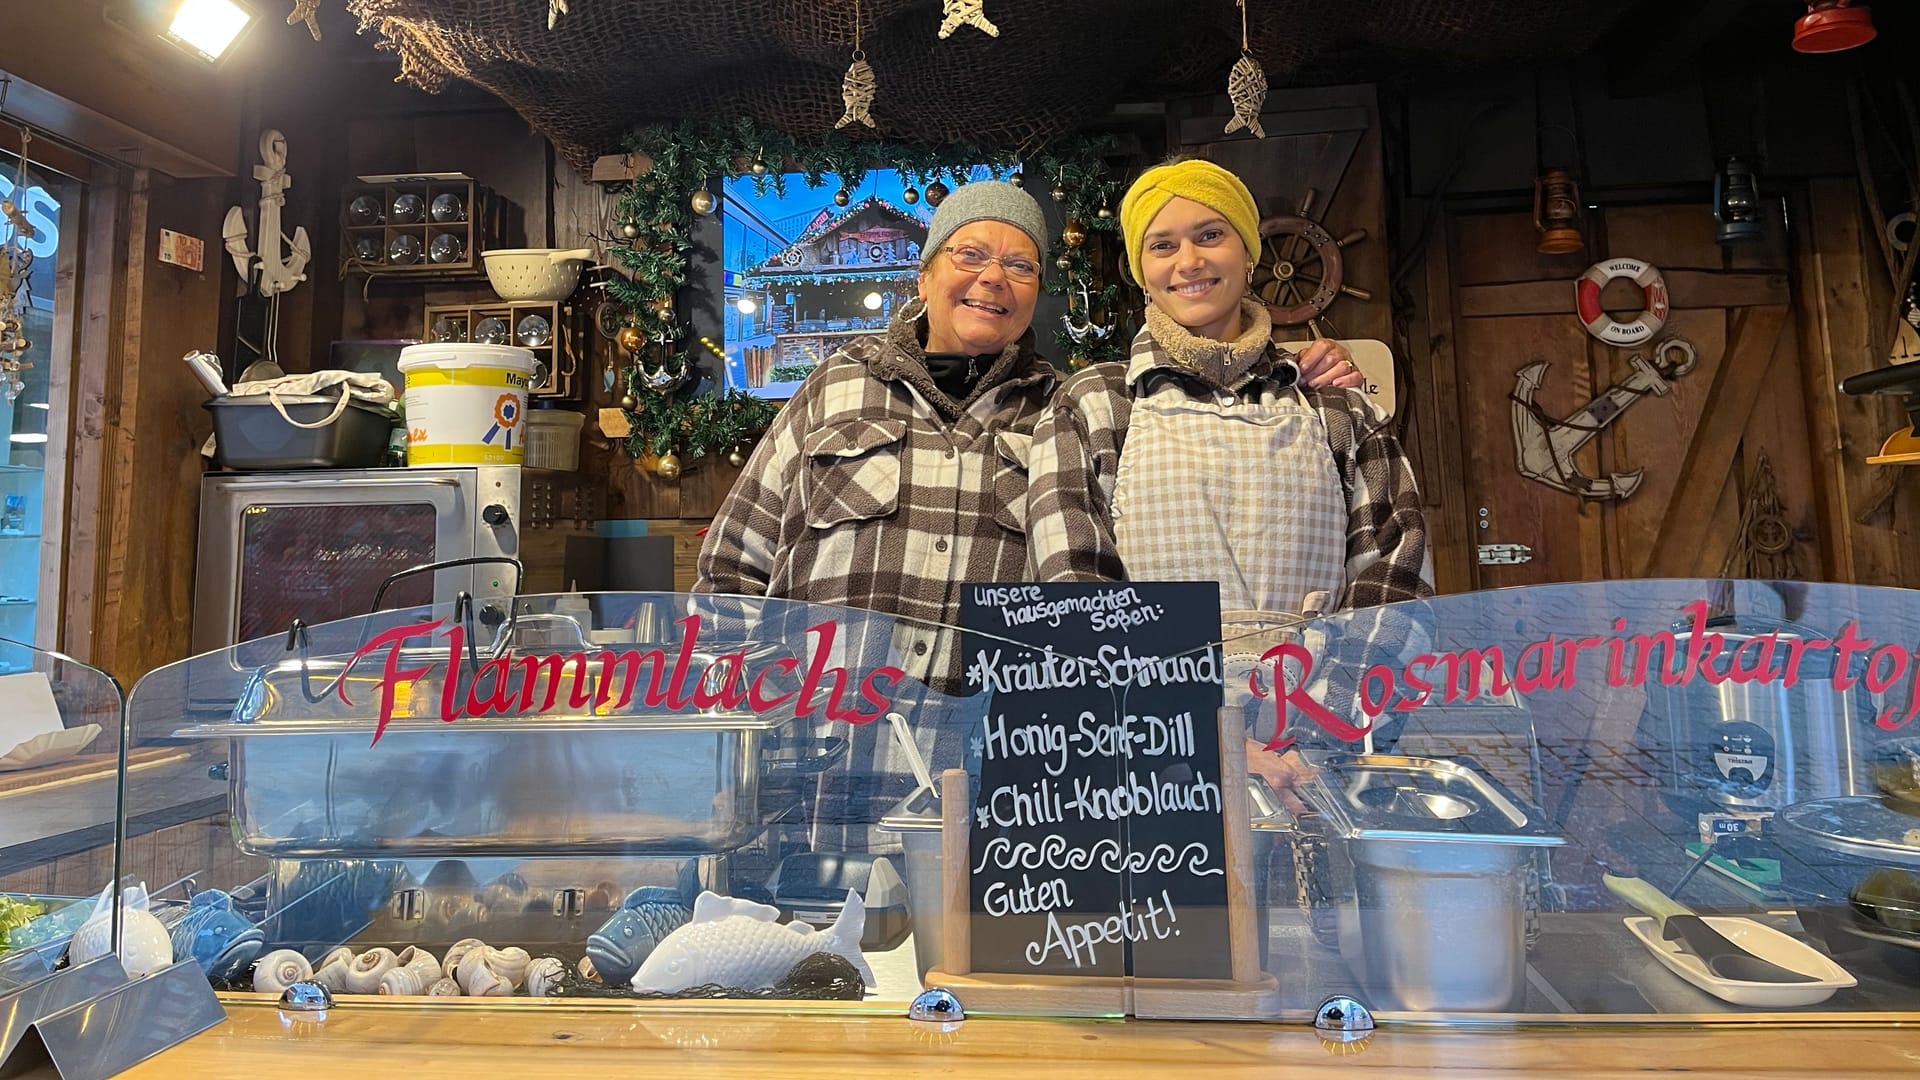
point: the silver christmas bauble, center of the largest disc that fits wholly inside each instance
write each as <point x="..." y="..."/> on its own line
<point x="841" y="198"/>
<point x="910" y="196"/>
<point x="702" y="201"/>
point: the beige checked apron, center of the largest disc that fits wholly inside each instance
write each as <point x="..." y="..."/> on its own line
<point x="1246" y="494"/>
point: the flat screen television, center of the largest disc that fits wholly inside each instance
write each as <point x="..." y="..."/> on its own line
<point x="802" y="276"/>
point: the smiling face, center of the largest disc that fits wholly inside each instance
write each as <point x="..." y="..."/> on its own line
<point x="979" y="313"/>
<point x="1194" y="267"/>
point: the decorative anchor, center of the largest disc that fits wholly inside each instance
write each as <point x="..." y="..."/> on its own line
<point x="1544" y="447"/>
<point x="269" y="270"/>
<point x="1081" y="328"/>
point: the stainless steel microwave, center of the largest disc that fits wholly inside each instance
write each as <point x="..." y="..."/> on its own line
<point x="317" y="545"/>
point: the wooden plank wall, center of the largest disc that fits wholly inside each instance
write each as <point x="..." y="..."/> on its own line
<point x="1775" y="325"/>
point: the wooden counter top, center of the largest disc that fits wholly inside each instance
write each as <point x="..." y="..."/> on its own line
<point x="469" y="1039"/>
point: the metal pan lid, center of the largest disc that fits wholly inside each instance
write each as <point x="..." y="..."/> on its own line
<point x="1386" y="796"/>
<point x="1858" y="825"/>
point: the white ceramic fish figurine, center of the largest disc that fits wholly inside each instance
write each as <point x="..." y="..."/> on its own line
<point x="958" y="13"/>
<point x="857" y="90"/>
<point x="738" y="943"/>
<point x="145" y="946"/>
<point x="1247" y="89"/>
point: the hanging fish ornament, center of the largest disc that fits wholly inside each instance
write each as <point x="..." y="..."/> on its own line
<point x="958" y="13"/>
<point x="1247" y="89"/>
<point x="857" y="91"/>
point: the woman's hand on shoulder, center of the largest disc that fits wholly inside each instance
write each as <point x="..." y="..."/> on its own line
<point x="1326" y="364"/>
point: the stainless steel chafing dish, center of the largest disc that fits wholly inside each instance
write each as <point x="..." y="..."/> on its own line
<point x="307" y="778"/>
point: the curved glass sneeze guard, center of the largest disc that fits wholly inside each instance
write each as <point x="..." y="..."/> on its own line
<point x="1482" y="797"/>
<point x="568" y="789"/>
<point x="60" y="772"/>
<point x="1546" y="770"/>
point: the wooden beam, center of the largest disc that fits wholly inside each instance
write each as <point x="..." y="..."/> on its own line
<point x="1686" y="288"/>
<point x="1710" y="455"/>
<point x="1436" y="402"/>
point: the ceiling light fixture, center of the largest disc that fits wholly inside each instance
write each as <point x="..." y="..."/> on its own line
<point x="207" y="28"/>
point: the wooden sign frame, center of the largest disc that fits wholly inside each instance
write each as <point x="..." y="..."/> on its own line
<point x="1251" y="994"/>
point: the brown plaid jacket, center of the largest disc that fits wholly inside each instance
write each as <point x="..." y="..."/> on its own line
<point x="1076" y="456"/>
<point x="875" y="490"/>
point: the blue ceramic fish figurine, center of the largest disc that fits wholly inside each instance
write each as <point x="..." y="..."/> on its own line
<point x="215" y="936"/>
<point x="625" y="941"/>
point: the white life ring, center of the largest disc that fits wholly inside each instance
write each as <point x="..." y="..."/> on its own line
<point x="1586" y="293"/>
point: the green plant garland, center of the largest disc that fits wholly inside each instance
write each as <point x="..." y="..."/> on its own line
<point x="653" y="228"/>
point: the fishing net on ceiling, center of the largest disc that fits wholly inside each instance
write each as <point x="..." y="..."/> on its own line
<point x="1057" y="65"/>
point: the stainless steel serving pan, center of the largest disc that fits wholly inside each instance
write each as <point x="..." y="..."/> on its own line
<point x="307" y="779"/>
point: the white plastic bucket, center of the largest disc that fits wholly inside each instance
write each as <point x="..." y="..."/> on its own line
<point x="466" y="404"/>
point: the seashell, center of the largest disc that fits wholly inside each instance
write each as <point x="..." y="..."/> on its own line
<point x="332" y="972"/>
<point x="509" y="966"/>
<point x="341" y="954"/>
<point x="456" y="952"/>
<point x="586" y="969"/>
<point x="477" y="979"/>
<point x="423" y="962"/>
<point x="279" y="969"/>
<point x="406" y="982"/>
<point x="444" y="988"/>
<point x="542" y="974"/>
<point x="364" y="976"/>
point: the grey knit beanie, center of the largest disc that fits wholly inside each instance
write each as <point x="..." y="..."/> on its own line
<point x="985" y="200"/>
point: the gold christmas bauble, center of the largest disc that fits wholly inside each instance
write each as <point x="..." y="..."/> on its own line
<point x="630" y="338"/>
<point x="1076" y="362"/>
<point x="629" y="402"/>
<point x="1103" y="212"/>
<point x="910" y="196"/>
<point x="1073" y="235"/>
<point x="702" y="201"/>
<point x="662" y="306"/>
<point x="1018" y="180"/>
<point x="1058" y="193"/>
<point x="936" y="191"/>
<point x="735" y="458"/>
<point x="1064" y="262"/>
<point x="668" y="467"/>
<point x="758" y="168"/>
<point x="841" y="198"/>
<point x="629" y="229"/>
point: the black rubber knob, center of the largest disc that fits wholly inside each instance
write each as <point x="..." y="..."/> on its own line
<point x="495" y="515"/>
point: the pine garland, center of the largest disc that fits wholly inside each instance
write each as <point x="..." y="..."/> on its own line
<point x="653" y="227"/>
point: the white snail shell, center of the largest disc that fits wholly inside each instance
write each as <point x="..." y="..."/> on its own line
<point x="425" y="965"/>
<point x="444" y="988"/>
<point x="405" y="982"/>
<point x="364" y="976"/>
<point x="279" y="969"/>
<point x="586" y="969"/>
<point x="478" y="980"/>
<point x="342" y="955"/>
<point x="457" y="952"/>
<point x="486" y="971"/>
<point x="333" y="969"/>
<point x="542" y="974"/>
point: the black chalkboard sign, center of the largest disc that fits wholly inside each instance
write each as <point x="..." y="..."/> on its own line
<point x="1096" y="845"/>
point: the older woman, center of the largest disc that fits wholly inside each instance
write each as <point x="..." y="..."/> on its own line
<point x="1203" y="458"/>
<point x="899" y="469"/>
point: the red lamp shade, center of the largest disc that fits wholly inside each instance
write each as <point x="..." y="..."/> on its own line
<point x="1832" y="26"/>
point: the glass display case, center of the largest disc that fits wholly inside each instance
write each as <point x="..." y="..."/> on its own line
<point x="1686" y="801"/>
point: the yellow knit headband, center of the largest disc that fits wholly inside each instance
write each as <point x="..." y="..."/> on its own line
<point x="1201" y="181"/>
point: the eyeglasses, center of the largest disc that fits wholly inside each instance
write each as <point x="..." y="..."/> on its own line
<point x="973" y="261"/>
